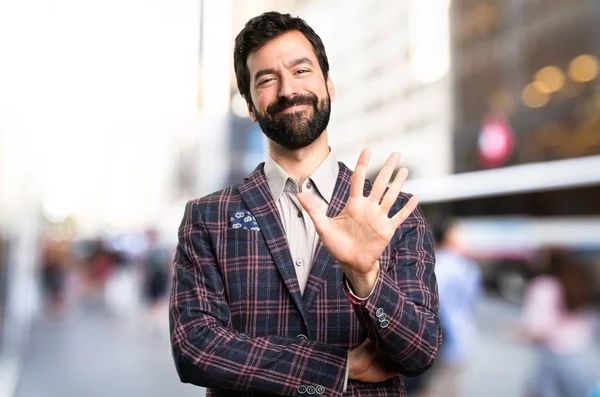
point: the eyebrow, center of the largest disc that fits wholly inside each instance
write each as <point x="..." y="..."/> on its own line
<point x="291" y="64"/>
<point x="299" y="61"/>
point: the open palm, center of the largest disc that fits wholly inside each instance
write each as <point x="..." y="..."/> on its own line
<point x="360" y="233"/>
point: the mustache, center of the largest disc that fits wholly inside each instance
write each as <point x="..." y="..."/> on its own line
<point x="284" y="103"/>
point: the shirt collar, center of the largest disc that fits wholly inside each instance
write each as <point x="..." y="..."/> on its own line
<point x="324" y="178"/>
<point x="276" y="177"/>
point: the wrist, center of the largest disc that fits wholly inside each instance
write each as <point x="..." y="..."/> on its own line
<point x="362" y="284"/>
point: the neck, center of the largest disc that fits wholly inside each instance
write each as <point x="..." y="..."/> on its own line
<point x="301" y="163"/>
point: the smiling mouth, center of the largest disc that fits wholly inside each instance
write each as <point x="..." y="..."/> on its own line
<point x="294" y="108"/>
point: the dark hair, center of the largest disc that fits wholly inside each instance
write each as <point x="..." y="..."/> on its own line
<point x="262" y="29"/>
<point x="569" y="271"/>
<point x="441" y="228"/>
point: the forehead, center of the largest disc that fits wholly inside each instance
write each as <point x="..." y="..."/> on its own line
<point x="281" y="50"/>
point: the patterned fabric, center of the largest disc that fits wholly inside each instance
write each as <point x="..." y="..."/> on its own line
<point x="241" y="327"/>
<point x="244" y="220"/>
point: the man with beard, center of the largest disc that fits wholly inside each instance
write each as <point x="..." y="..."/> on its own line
<point x="304" y="278"/>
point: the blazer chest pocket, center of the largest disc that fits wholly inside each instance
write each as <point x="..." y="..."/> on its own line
<point x="248" y="272"/>
<point x="241" y="242"/>
<point x="244" y="235"/>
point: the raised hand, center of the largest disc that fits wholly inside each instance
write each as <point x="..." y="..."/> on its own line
<point x="360" y="233"/>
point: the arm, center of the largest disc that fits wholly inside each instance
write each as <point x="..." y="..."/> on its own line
<point x="207" y="352"/>
<point x="407" y="331"/>
<point x="405" y="292"/>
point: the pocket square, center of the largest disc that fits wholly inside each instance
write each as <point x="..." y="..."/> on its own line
<point x="244" y="220"/>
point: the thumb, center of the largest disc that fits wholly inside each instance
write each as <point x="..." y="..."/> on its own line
<point x="318" y="216"/>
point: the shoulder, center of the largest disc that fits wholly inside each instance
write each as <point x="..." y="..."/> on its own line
<point x="230" y="193"/>
<point x="219" y="202"/>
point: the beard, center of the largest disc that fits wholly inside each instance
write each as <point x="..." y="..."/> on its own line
<point x="295" y="130"/>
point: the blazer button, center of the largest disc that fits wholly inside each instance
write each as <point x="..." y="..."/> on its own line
<point x="301" y="389"/>
<point x="379" y="312"/>
<point x="302" y="336"/>
<point x="384" y="324"/>
<point x="310" y="390"/>
<point x="320" y="389"/>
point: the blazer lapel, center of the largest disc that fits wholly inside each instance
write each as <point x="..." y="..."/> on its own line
<point x="255" y="192"/>
<point x="323" y="262"/>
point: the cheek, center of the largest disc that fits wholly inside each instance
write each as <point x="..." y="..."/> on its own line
<point x="262" y="101"/>
<point x="319" y="89"/>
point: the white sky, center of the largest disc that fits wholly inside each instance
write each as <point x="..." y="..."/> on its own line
<point x="92" y="97"/>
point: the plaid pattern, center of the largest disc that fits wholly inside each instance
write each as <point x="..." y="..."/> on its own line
<point x="240" y="326"/>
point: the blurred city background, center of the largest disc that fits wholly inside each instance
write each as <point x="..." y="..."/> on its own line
<point x="113" y="114"/>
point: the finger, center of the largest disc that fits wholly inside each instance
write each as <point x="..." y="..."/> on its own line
<point x="357" y="185"/>
<point x="384" y="177"/>
<point x="359" y="359"/>
<point x="391" y="195"/>
<point x="386" y="370"/>
<point x="405" y="212"/>
<point x="318" y="216"/>
<point x="376" y="372"/>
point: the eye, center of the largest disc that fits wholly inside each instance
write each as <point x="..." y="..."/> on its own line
<point x="302" y="71"/>
<point x="265" y="81"/>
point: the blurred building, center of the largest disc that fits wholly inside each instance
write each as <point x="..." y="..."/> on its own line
<point x="526" y="91"/>
<point x="526" y="106"/>
<point x="529" y="67"/>
<point x="99" y="121"/>
<point x="526" y="132"/>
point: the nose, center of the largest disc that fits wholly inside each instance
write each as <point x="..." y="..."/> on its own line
<point x="288" y="86"/>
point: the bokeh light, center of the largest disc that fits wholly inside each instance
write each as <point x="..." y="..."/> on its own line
<point x="551" y="79"/>
<point x="584" y="68"/>
<point x="535" y="95"/>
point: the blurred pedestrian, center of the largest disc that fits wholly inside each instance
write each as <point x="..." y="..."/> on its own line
<point x="558" y="319"/>
<point x="54" y="262"/>
<point x="100" y="266"/>
<point x="156" y="263"/>
<point x="304" y="278"/>
<point x="122" y="295"/>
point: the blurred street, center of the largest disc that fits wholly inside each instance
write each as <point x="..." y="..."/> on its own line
<point x="93" y="354"/>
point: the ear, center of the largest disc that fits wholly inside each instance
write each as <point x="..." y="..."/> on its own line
<point x="251" y="111"/>
<point x="330" y="88"/>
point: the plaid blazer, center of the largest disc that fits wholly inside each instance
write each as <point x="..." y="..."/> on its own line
<point x="241" y="327"/>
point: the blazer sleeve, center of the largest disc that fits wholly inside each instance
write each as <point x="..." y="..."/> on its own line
<point x="208" y="352"/>
<point x="401" y="314"/>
